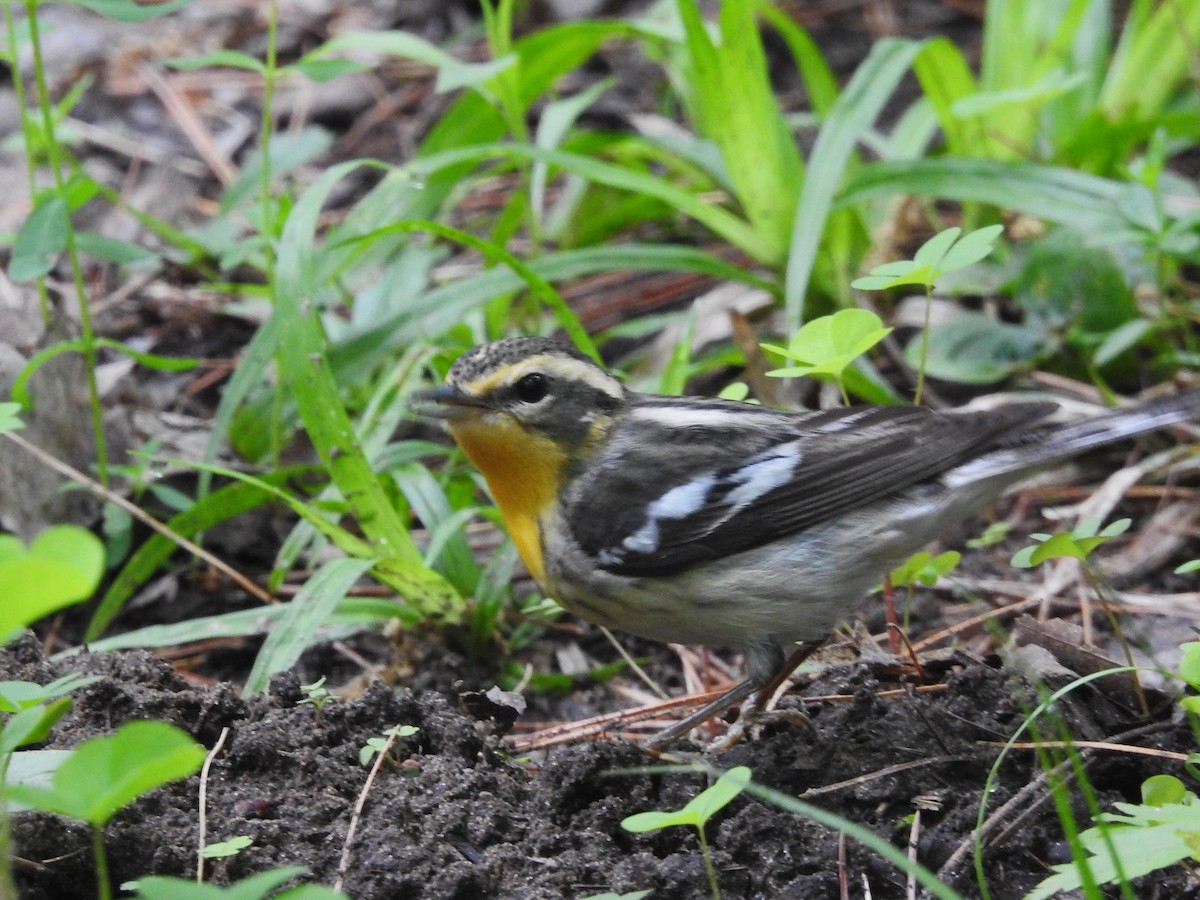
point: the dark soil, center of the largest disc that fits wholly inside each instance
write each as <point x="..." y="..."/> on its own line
<point x="459" y="817"/>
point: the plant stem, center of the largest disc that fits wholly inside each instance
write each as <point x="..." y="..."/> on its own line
<point x="708" y="864"/>
<point x="27" y="133"/>
<point x="7" y="887"/>
<point x="103" y="887"/>
<point x="924" y="346"/>
<point x="54" y="154"/>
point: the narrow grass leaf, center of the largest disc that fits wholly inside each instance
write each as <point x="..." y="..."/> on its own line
<point x="229" y="501"/>
<point x="123" y="253"/>
<point x="350" y="615"/>
<point x="297" y="628"/>
<point x="1084" y="202"/>
<point x="306" y="369"/>
<point x="856" y="109"/>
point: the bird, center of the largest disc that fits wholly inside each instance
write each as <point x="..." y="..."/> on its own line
<point x="697" y="520"/>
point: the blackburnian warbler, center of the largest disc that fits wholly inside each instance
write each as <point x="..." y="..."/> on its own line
<point x="705" y="521"/>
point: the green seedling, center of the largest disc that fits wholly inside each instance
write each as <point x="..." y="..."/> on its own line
<point x="946" y="251"/>
<point x="925" y="568"/>
<point x="825" y="347"/>
<point x="1192" y="565"/>
<point x="1162" y="830"/>
<point x="256" y="887"/>
<point x="1075" y="544"/>
<point x="231" y="847"/>
<point x="380" y="744"/>
<point x="696" y="813"/>
<point x="316" y="696"/>
<point x="1189" y="671"/>
<point x="29" y="726"/>
<point x="8" y="417"/>
<point x="106" y="774"/>
<point x="62" y="566"/>
<point x="32" y="710"/>
<point x="992" y="535"/>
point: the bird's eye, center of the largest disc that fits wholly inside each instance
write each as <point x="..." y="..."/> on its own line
<point x="532" y="387"/>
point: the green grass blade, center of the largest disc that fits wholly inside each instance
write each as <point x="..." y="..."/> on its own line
<point x="869" y="89"/>
<point x="295" y="630"/>
<point x="225" y="503"/>
<point x="1081" y="201"/>
<point x="720" y="221"/>
<point x="308" y="375"/>
<point x="351" y="614"/>
<point x="946" y="78"/>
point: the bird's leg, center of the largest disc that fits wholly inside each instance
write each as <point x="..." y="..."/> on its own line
<point x="735" y="695"/>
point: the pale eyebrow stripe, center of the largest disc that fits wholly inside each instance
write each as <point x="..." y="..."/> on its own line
<point x="556" y="366"/>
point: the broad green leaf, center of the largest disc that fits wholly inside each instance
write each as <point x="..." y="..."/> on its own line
<point x="104" y="775"/>
<point x="62" y="566"/>
<point x="931" y="252"/>
<point x="32" y="767"/>
<point x="254" y="887"/>
<point x="970" y="248"/>
<point x="1189" y="665"/>
<point x="1159" y="790"/>
<point x="32" y="725"/>
<point x="9" y="420"/>
<point x="129" y="10"/>
<point x="827" y="345"/>
<point x="40" y="240"/>
<point x="925" y="568"/>
<point x="18" y="695"/>
<point x="976" y="349"/>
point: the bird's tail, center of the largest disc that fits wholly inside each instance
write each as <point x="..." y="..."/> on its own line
<point x="1058" y="444"/>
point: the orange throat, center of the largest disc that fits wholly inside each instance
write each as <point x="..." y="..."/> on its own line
<point x="523" y="474"/>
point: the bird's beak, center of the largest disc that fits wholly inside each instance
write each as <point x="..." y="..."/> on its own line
<point x="443" y="403"/>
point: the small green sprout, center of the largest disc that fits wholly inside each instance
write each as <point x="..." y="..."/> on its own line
<point x="1192" y="565"/>
<point x="992" y="535"/>
<point x="380" y="744"/>
<point x="231" y="847"/>
<point x="696" y="813"/>
<point x="826" y="346"/>
<point x="925" y="568"/>
<point x="1075" y="544"/>
<point x="1189" y="671"/>
<point x="736" y="390"/>
<point x="8" y="417"/>
<point x="946" y="251"/>
<point x="316" y="696"/>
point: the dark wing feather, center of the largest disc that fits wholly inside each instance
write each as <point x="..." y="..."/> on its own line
<point x="744" y="481"/>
